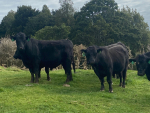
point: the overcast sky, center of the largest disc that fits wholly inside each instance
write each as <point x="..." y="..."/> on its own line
<point x="142" y="6"/>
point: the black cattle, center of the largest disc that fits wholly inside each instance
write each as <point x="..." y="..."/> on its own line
<point x="142" y="64"/>
<point x="36" y="54"/>
<point x="112" y="45"/>
<point x="107" y="61"/>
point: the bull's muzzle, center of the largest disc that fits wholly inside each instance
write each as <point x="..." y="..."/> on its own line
<point x="141" y="73"/>
<point x="15" y="56"/>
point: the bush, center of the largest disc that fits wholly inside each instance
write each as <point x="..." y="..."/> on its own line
<point x="7" y="50"/>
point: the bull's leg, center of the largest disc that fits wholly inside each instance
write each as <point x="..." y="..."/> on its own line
<point x="32" y="75"/>
<point x="36" y="71"/>
<point x="67" y="67"/>
<point x="120" y="75"/>
<point x="109" y="80"/>
<point x="114" y="76"/>
<point x="124" y="78"/>
<point x="36" y="76"/>
<point x="39" y="75"/>
<point x="100" y="78"/>
<point x="102" y="84"/>
<point x="47" y="72"/>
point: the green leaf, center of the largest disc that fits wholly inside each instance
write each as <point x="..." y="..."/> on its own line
<point x="12" y="39"/>
<point x="28" y="39"/>
<point x="132" y="62"/>
<point x="149" y="62"/>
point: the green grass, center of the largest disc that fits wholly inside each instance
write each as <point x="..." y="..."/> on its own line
<point x="18" y="95"/>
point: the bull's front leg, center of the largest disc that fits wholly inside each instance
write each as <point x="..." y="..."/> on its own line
<point x="36" y="72"/>
<point x="32" y="75"/>
<point x="101" y="78"/>
<point x="102" y="84"/>
<point x="36" y="75"/>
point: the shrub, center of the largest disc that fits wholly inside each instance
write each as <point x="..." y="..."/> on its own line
<point x="7" y="50"/>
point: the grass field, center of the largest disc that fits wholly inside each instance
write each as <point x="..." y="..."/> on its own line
<point x="18" y="95"/>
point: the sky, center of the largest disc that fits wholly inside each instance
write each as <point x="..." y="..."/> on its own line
<point x="142" y="6"/>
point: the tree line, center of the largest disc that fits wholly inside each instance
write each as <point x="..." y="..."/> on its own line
<point x="98" y="22"/>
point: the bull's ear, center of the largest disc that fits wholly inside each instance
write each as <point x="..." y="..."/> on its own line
<point x="132" y="60"/>
<point x="83" y="52"/>
<point x="12" y="38"/>
<point x="99" y="50"/>
<point x="28" y="38"/>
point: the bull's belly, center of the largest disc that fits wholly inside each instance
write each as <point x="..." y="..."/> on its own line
<point x="117" y="70"/>
<point x="50" y="64"/>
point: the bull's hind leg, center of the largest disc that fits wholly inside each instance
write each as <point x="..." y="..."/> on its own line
<point x="36" y="71"/>
<point x="32" y="75"/>
<point x="47" y="72"/>
<point x="124" y="77"/>
<point x="39" y="75"/>
<point x="120" y="75"/>
<point x="67" y="67"/>
<point x="109" y="80"/>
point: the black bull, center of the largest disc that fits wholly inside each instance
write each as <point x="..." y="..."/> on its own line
<point x="142" y="64"/>
<point x="37" y="54"/>
<point x="108" y="60"/>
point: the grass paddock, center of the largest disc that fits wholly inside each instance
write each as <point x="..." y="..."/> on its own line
<point x="18" y="95"/>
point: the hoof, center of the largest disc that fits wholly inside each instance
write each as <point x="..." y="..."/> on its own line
<point x="123" y="86"/>
<point x="102" y="89"/>
<point x="37" y="82"/>
<point x="49" y="79"/>
<point x="31" y="82"/>
<point x="68" y="80"/>
<point x="111" y="91"/>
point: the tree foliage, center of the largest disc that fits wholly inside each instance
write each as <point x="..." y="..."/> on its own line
<point x="53" y="33"/>
<point x="65" y="13"/>
<point x="6" y="24"/>
<point x="21" y="18"/>
<point x="35" y="23"/>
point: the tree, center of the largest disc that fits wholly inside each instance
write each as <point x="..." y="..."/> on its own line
<point x="53" y="33"/>
<point x="65" y="13"/>
<point x="129" y="27"/>
<point x="39" y="21"/>
<point x="93" y="23"/>
<point x="21" y="18"/>
<point x="6" y="23"/>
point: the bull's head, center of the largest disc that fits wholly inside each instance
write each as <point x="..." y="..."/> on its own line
<point x="142" y="63"/>
<point x="21" y="39"/>
<point x="91" y="54"/>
